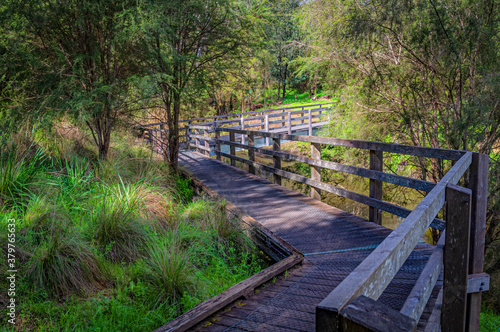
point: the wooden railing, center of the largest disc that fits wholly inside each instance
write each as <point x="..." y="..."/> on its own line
<point x="460" y="253"/>
<point x="290" y="117"/>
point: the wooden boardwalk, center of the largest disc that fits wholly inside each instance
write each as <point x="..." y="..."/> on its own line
<point x="333" y="242"/>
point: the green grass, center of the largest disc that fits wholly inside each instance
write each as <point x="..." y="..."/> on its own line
<point x="490" y="322"/>
<point x="114" y="245"/>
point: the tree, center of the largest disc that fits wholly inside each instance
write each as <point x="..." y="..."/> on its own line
<point x="80" y="63"/>
<point x="183" y="40"/>
<point x="283" y="32"/>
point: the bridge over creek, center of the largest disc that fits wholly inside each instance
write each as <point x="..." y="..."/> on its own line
<point x="336" y="271"/>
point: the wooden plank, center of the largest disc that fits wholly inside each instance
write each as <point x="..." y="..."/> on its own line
<point x="371" y="174"/>
<point x="276" y="161"/>
<point x="251" y="153"/>
<point x="434" y="321"/>
<point x="310" y="123"/>
<point x="371" y="277"/>
<point x="367" y="145"/>
<point x="207" y="308"/>
<point x="479" y="282"/>
<point x="388" y="207"/>
<point x="217" y="145"/>
<point x="289" y="123"/>
<point x="478" y="183"/>
<point x="267" y="130"/>
<point x="232" y="150"/>
<point x="421" y="292"/>
<point x="366" y="315"/>
<point x="242" y="120"/>
<point x="376" y="164"/>
<point x="456" y="258"/>
<point x="315" y="170"/>
<point x="207" y="143"/>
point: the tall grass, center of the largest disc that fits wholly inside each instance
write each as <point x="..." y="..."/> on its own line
<point x="116" y="244"/>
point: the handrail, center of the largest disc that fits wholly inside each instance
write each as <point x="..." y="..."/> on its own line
<point x="304" y="107"/>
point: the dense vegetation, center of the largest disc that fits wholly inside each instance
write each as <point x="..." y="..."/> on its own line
<point x="412" y="72"/>
<point x="113" y="245"/>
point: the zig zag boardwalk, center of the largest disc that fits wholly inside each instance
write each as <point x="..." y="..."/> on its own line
<point x="333" y="242"/>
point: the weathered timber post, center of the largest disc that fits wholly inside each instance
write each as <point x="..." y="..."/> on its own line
<point x="262" y="121"/>
<point x="197" y="139"/>
<point x="267" y="129"/>
<point x="478" y="183"/>
<point x="188" y="139"/>
<point x="153" y="139"/>
<point x="289" y="123"/>
<point x="277" y="160"/>
<point x="456" y="258"/>
<point x="251" y="152"/>
<point x="315" y="170"/>
<point x="242" y="121"/>
<point x="376" y="164"/>
<point x="310" y="123"/>
<point x="162" y="140"/>
<point x="302" y="115"/>
<point x="207" y="142"/>
<point x="232" y="149"/>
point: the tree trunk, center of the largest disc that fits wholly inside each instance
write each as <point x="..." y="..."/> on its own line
<point x="284" y="80"/>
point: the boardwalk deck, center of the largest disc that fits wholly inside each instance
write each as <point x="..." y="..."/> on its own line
<point x="334" y="242"/>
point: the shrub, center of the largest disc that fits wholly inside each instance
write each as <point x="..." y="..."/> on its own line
<point x="64" y="264"/>
<point x="170" y="270"/>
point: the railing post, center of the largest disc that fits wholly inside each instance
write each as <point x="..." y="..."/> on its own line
<point x="456" y="258"/>
<point x="207" y="142"/>
<point x="161" y="140"/>
<point x="251" y="152"/>
<point x="267" y="129"/>
<point x="289" y="123"/>
<point x="310" y="123"/>
<point x="376" y="164"/>
<point x="217" y="144"/>
<point x="187" y="136"/>
<point x="478" y="183"/>
<point x="315" y="170"/>
<point x="262" y="120"/>
<point x="242" y="121"/>
<point x="302" y="115"/>
<point x="232" y="149"/>
<point x="276" y="160"/>
<point x="153" y="139"/>
<point x="197" y="139"/>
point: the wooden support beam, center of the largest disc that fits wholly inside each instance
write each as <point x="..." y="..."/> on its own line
<point x="310" y="123"/>
<point x="315" y="170"/>
<point x="188" y="137"/>
<point x="276" y="160"/>
<point x="376" y="164"/>
<point x="242" y="120"/>
<point x="207" y="143"/>
<point x="197" y="141"/>
<point x="267" y="129"/>
<point x="456" y="258"/>
<point x="289" y="123"/>
<point x="217" y="145"/>
<point x="251" y="153"/>
<point x="478" y="183"/>
<point x="232" y="149"/>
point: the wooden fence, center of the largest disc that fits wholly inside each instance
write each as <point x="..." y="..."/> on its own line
<point x="459" y="253"/>
<point x="289" y="117"/>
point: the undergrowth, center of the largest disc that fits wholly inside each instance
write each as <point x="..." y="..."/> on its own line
<point x="112" y="245"/>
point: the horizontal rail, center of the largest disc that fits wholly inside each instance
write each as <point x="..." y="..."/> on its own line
<point x="388" y="207"/>
<point x="366" y="145"/>
<point x="373" y="275"/>
<point x="305" y="108"/>
<point x="367" y="173"/>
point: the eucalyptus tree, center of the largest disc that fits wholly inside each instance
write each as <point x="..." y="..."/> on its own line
<point x="183" y="40"/>
<point x="78" y="59"/>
